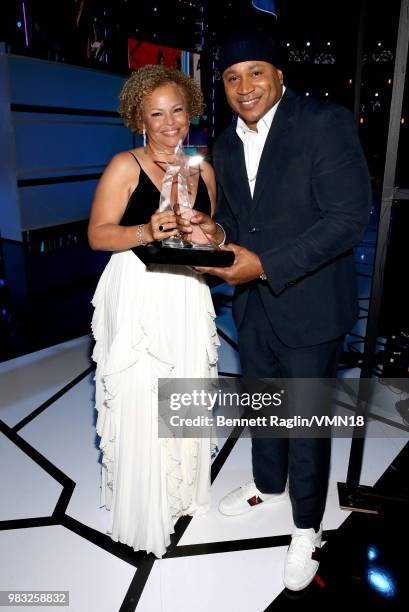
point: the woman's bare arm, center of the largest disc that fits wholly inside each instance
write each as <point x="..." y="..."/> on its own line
<point x="110" y="200"/>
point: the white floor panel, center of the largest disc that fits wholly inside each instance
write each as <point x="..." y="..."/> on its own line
<point x="27" y="491"/>
<point x="54" y="558"/>
<point x="28" y="381"/>
<point x="262" y="522"/>
<point x="243" y="581"/>
<point x="65" y="434"/>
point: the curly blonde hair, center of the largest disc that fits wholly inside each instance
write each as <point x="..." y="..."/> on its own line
<point x="144" y="81"/>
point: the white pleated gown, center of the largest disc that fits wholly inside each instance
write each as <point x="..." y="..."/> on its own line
<point x="149" y="323"/>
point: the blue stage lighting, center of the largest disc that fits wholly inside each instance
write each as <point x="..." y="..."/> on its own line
<point x="372" y="551"/>
<point x="381" y="581"/>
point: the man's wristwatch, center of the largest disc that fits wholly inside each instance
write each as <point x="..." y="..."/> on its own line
<point x="224" y="235"/>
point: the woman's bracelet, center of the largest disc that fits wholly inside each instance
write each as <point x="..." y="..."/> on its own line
<point x="140" y="239"/>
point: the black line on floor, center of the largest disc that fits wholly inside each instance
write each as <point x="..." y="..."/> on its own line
<point x="39" y="521"/>
<point x="63" y="501"/>
<point x="55" y="473"/>
<point x="211" y="548"/>
<point x="136" y="587"/>
<point x="225" y="452"/>
<point x="143" y="562"/>
<point x="27" y="419"/>
<point x="122" y="551"/>
<point x="140" y="579"/>
<point x="37" y="457"/>
<point x="137" y="559"/>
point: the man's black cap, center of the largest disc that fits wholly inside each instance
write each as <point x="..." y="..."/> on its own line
<point x="249" y="44"/>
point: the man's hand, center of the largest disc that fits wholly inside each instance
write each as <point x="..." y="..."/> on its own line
<point x="246" y="267"/>
<point x="213" y="231"/>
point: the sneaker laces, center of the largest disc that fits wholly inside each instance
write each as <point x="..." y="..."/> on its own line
<point x="300" y="546"/>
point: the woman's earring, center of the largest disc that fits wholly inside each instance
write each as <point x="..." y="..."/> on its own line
<point x="144" y="137"/>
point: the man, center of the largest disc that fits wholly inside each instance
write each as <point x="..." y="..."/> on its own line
<point x="294" y="193"/>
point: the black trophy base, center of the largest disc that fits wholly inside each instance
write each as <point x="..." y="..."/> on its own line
<point x="155" y="253"/>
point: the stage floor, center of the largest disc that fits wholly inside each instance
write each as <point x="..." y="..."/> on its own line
<point x="53" y="530"/>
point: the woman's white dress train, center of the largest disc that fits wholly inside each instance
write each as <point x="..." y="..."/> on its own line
<point x="149" y="323"/>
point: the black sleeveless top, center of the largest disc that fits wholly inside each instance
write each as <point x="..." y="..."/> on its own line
<point x="144" y="200"/>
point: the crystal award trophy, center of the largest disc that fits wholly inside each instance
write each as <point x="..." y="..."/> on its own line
<point x="177" y="176"/>
<point x="195" y="251"/>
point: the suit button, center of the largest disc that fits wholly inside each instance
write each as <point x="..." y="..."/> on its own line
<point x="253" y="230"/>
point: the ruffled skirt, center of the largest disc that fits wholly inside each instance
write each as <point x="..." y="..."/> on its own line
<point x="149" y="323"/>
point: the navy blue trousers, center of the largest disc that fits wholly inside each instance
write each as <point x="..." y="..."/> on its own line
<point x="304" y="461"/>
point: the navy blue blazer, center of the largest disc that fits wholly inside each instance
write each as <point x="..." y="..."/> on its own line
<point x="311" y="206"/>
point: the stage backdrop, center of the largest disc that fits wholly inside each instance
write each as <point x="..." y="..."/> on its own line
<point x="141" y="53"/>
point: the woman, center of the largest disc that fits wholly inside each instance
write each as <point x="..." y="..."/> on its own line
<point x="149" y="323"/>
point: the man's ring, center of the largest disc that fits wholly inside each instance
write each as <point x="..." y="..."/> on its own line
<point x="160" y="228"/>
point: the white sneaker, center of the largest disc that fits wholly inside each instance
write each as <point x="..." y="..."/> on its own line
<point x="302" y="559"/>
<point x="247" y="497"/>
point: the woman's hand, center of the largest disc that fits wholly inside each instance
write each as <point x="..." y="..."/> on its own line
<point x="162" y="225"/>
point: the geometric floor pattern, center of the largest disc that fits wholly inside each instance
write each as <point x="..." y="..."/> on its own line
<point x="53" y="530"/>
